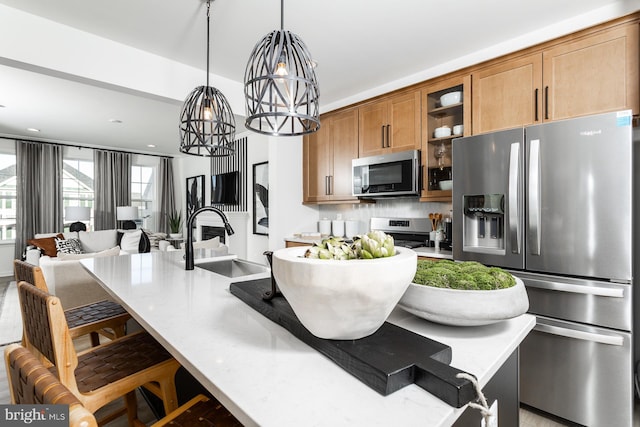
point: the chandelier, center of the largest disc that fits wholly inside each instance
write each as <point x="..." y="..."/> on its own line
<point x="280" y="86"/>
<point x="207" y="124"/>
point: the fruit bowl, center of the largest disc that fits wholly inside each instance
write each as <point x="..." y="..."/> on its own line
<point x="465" y="307"/>
<point x="343" y="299"/>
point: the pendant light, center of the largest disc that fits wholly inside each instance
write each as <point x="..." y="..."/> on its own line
<point x="280" y="87"/>
<point x="207" y="124"/>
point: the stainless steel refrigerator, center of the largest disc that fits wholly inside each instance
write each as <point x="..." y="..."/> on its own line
<point x="557" y="204"/>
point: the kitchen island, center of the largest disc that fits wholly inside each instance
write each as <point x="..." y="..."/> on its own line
<point x="263" y="374"/>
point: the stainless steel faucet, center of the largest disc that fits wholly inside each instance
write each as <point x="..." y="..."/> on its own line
<point x="188" y="247"/>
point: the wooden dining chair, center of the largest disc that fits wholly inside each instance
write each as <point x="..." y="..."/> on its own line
<point x="100" y="374"/>
<point x="106" y="318"/>
<point x="31" y="383"/>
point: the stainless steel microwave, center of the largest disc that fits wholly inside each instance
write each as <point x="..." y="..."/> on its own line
<point x="395" y="174"/>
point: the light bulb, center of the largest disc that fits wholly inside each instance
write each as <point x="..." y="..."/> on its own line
<point x="281" y="69"/>
<point x="207" y="111"/>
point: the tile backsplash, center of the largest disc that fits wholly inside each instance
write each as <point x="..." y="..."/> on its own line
<point x="388" y="208"/>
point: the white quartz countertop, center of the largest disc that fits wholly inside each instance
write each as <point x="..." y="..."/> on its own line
<point x="263" y="374"/>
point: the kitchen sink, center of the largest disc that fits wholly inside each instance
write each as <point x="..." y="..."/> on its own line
<point x="233" y="267"/>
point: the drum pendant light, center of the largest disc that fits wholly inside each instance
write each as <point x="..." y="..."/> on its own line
<point x="280" y="86"/>
<point x="207" y="124"/>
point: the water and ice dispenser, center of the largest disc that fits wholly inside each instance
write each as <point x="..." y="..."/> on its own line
<point x="483" y="223"/>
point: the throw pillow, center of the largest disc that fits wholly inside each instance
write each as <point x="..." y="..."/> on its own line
<point x="69" y="246"/>
<point x="144" y="244"/>
<point x="130" y="241"/>
<point x="47" y="245"/>
<point x="96" y="241"/>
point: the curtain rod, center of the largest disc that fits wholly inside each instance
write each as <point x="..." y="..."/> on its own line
<point x="85" y="146"/>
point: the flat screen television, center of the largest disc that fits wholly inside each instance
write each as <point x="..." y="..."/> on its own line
<point x="224" y="188"/>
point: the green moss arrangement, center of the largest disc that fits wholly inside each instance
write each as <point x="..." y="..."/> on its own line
<point x="466" y="275"/>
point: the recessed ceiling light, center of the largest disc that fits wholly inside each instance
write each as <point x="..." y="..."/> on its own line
<point x="115" y="121"/>
<point x="33" y="130"/>
<point x="151" y="145"/>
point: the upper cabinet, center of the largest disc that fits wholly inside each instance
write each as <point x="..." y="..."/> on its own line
<point x="446" y="109"/>
<point x="584" y="75"/>
<point x="592" y="75"/>
<point x="327" y="156"/>
<point x="390" y="124"/>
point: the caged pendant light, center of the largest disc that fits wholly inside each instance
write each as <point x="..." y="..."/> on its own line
<point x="207" y="124"/>
<point x="280" y="86"/>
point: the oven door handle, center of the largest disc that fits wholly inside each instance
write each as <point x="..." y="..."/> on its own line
<point x="580" y="335"/>
<point x="576" y="289"/>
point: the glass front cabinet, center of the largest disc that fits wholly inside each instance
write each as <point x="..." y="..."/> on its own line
<point x="446" y="115"/>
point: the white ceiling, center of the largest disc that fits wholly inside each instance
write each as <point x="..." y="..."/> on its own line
<point x="363" y="48"/>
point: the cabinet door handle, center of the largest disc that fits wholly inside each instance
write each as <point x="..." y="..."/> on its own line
<point x="536" y="107"/>
<point x="382" y="136"/>
<point x="330" y="184"/>
<point x="388" y="142"/>
<point x="546" y="102"/>
<point x="326" y="185"/>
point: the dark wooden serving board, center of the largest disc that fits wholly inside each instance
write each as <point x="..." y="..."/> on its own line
<point x="386" y="361"/>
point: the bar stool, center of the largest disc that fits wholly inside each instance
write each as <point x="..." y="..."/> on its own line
<point x="106" y="318"/>
<point x="100" y="374"/>
<point x="31" y="383"/>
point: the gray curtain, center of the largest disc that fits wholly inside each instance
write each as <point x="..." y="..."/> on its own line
<point x="167" y="193"/>
<point x="38" y="191"/>
<point x="112" y="172"/>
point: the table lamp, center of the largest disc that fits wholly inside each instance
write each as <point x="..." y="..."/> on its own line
<point x="127" y="214"/>
<point x="78" y="214"/>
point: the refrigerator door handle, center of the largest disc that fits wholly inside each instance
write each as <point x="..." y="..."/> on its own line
<point x="579" y="335"/>
<point x="514" y="214"/>
<point x="576" y="289"/>
<point x="534" y="197"/>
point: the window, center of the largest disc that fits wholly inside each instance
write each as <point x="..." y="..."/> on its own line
<point x="77" y="186"/>
<point x="7" y="196"/>
<point x="143" y="193"/>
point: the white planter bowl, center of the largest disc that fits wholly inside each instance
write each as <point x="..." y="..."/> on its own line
<point x="465" y="308"/>
<point x="343" y="300"/>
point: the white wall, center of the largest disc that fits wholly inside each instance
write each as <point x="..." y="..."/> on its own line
<point x="287" y="214"/>
<point x="257" y="152"/>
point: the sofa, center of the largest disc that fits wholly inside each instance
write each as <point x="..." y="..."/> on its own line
<point x="58" y="256"/>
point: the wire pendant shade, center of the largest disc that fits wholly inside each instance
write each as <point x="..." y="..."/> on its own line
<point x="207" y="124"/>
<point x="280" y="87"/>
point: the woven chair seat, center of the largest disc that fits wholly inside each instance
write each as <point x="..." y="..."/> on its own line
<point x="205" y="413"/>
<point x="100" y="366"/>
<point x="94" y="313"/>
